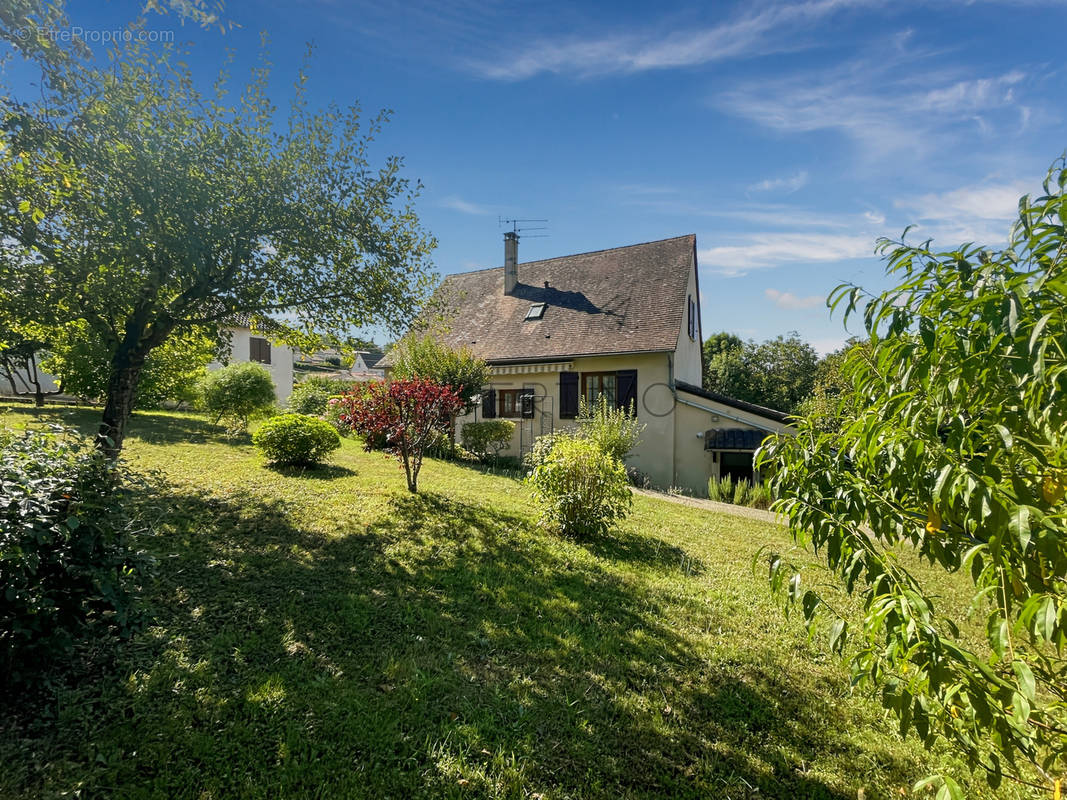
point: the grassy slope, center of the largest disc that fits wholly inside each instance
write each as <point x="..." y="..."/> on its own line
<point x="328" y="635"/>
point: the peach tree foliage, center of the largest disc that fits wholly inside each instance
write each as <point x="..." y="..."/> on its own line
<point x="138" y="205"/>
<point x="407" y="416"/>
<point x="954" y="448"/>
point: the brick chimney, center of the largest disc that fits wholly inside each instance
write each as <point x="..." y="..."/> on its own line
<point x="511" y="261"/>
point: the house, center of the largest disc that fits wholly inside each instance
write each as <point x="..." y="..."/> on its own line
<point x="621" y="323"/>
<point x="368" y="363"/>
<point x="246" y="345"/>
<point x="329" y="363"/>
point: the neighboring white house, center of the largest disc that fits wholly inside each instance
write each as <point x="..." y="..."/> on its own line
<point x="248" y="346"/>
<point x="366" y="364"/>
<point x="621" y="323"/>
<point x="244" y="346"/>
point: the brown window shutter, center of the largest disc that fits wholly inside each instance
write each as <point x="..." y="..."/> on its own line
<point x="626" y="391"/>
<point x="568" y="395"/>
<point x="259" y="350"/>
<point x="489" y="404"/>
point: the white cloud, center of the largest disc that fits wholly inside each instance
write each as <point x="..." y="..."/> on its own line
<point x="874" y="217"/>
<point x="980" y="213"/>
<point x="766" y="250"/>
<point x="461" y="205"/>
<point x="879" y="103"/>
<point x="792" y="302"/>
<point x="785" y="185"/>
<point x="762" y="32"/>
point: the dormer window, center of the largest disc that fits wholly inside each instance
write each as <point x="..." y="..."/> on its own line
<point x="537" y="310"/>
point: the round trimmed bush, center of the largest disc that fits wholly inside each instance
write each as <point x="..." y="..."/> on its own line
<point x="237" y="393"/>
<point x="296" y="439"/>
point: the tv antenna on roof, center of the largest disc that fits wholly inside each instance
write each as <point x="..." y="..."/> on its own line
<point x="526" y="226"/>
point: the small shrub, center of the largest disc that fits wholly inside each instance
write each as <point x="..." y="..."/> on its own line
<point x="638" y="478"/>
<point x="582" y="488"/>
<point x="542" y="446"/>
<point x="409" y="415"/>
<point x="760" y="496"/>
<point x="67" y="563"/>
<point x="714" y="489"/>
<point x="311" y="395"/>
<point x="332" y="415"/>
<point x="236" y="393"/>
<point x="726" y="487"/>
<point x="613" y="430"/>
<point x="486" y="439"/>
<point x="740" y="496"/>
<point x="296" y="439"/>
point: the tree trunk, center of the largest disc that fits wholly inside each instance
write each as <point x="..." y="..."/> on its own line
<point x="126" y="369"/>
<point x="38" y="397"/>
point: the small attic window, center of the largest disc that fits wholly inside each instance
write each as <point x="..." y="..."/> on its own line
<point x="537" y="310"/>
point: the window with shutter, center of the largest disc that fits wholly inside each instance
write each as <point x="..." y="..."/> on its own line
<point x="568" y="395"/>
<point x="600" y="384"/>
<point x="626" y="381"/>
<point x="259" y="350"/>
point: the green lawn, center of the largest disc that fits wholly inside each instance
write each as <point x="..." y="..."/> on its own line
<point x="324" y="634"/>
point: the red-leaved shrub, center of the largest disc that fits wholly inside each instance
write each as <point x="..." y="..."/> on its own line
<point x="407" y="415"/>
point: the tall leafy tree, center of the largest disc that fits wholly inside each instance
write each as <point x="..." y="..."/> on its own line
<point x="955" y="450"/>
<point x="778" y="373"/>
<point x="138" y="205"/>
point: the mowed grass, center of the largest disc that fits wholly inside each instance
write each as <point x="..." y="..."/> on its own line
<point x="325" y="634"/>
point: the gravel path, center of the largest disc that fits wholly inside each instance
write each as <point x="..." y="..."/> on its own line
<point x="711" y="505"/>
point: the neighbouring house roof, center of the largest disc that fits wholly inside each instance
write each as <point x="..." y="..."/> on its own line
<point x="245" y="319"/>
<point x="752" y="408"/>
<point x="733" y="439"/>
<point x="372" y="357"/>
<point x="624" y="300"/>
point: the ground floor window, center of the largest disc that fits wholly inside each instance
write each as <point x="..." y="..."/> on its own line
<point x="737" y="465"/>
<point x="599" y="384"/>
<point x="509" y="403"/>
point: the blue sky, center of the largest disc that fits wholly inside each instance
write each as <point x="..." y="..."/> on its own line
<point x="786" y="136"/>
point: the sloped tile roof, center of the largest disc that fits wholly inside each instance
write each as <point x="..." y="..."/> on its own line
<point x="372" y="357"/>
<point x="625" y="300"/>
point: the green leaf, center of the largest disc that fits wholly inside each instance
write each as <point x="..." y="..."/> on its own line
<point x="1027" y="686"/>
<point x="1019" y="525"/>
<point x="838" y="632"/>
<point x="950" y="790"/>
<point x="24" y="206"/>
<point x="997" y="630"/>
<point x="1045" y="619"/>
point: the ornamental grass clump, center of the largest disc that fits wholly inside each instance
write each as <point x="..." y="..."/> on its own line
<point x="296" y="440"/>
<point x="583" y="489"/>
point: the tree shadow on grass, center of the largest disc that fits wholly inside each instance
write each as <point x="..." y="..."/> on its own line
<point x="642" y="549"/>
<point x="318" y="472"/>
<point x="443" y="642"/>
<point x="154" y="427"/>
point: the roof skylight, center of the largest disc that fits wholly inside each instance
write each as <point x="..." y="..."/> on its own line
<point x="537" y="310"/>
